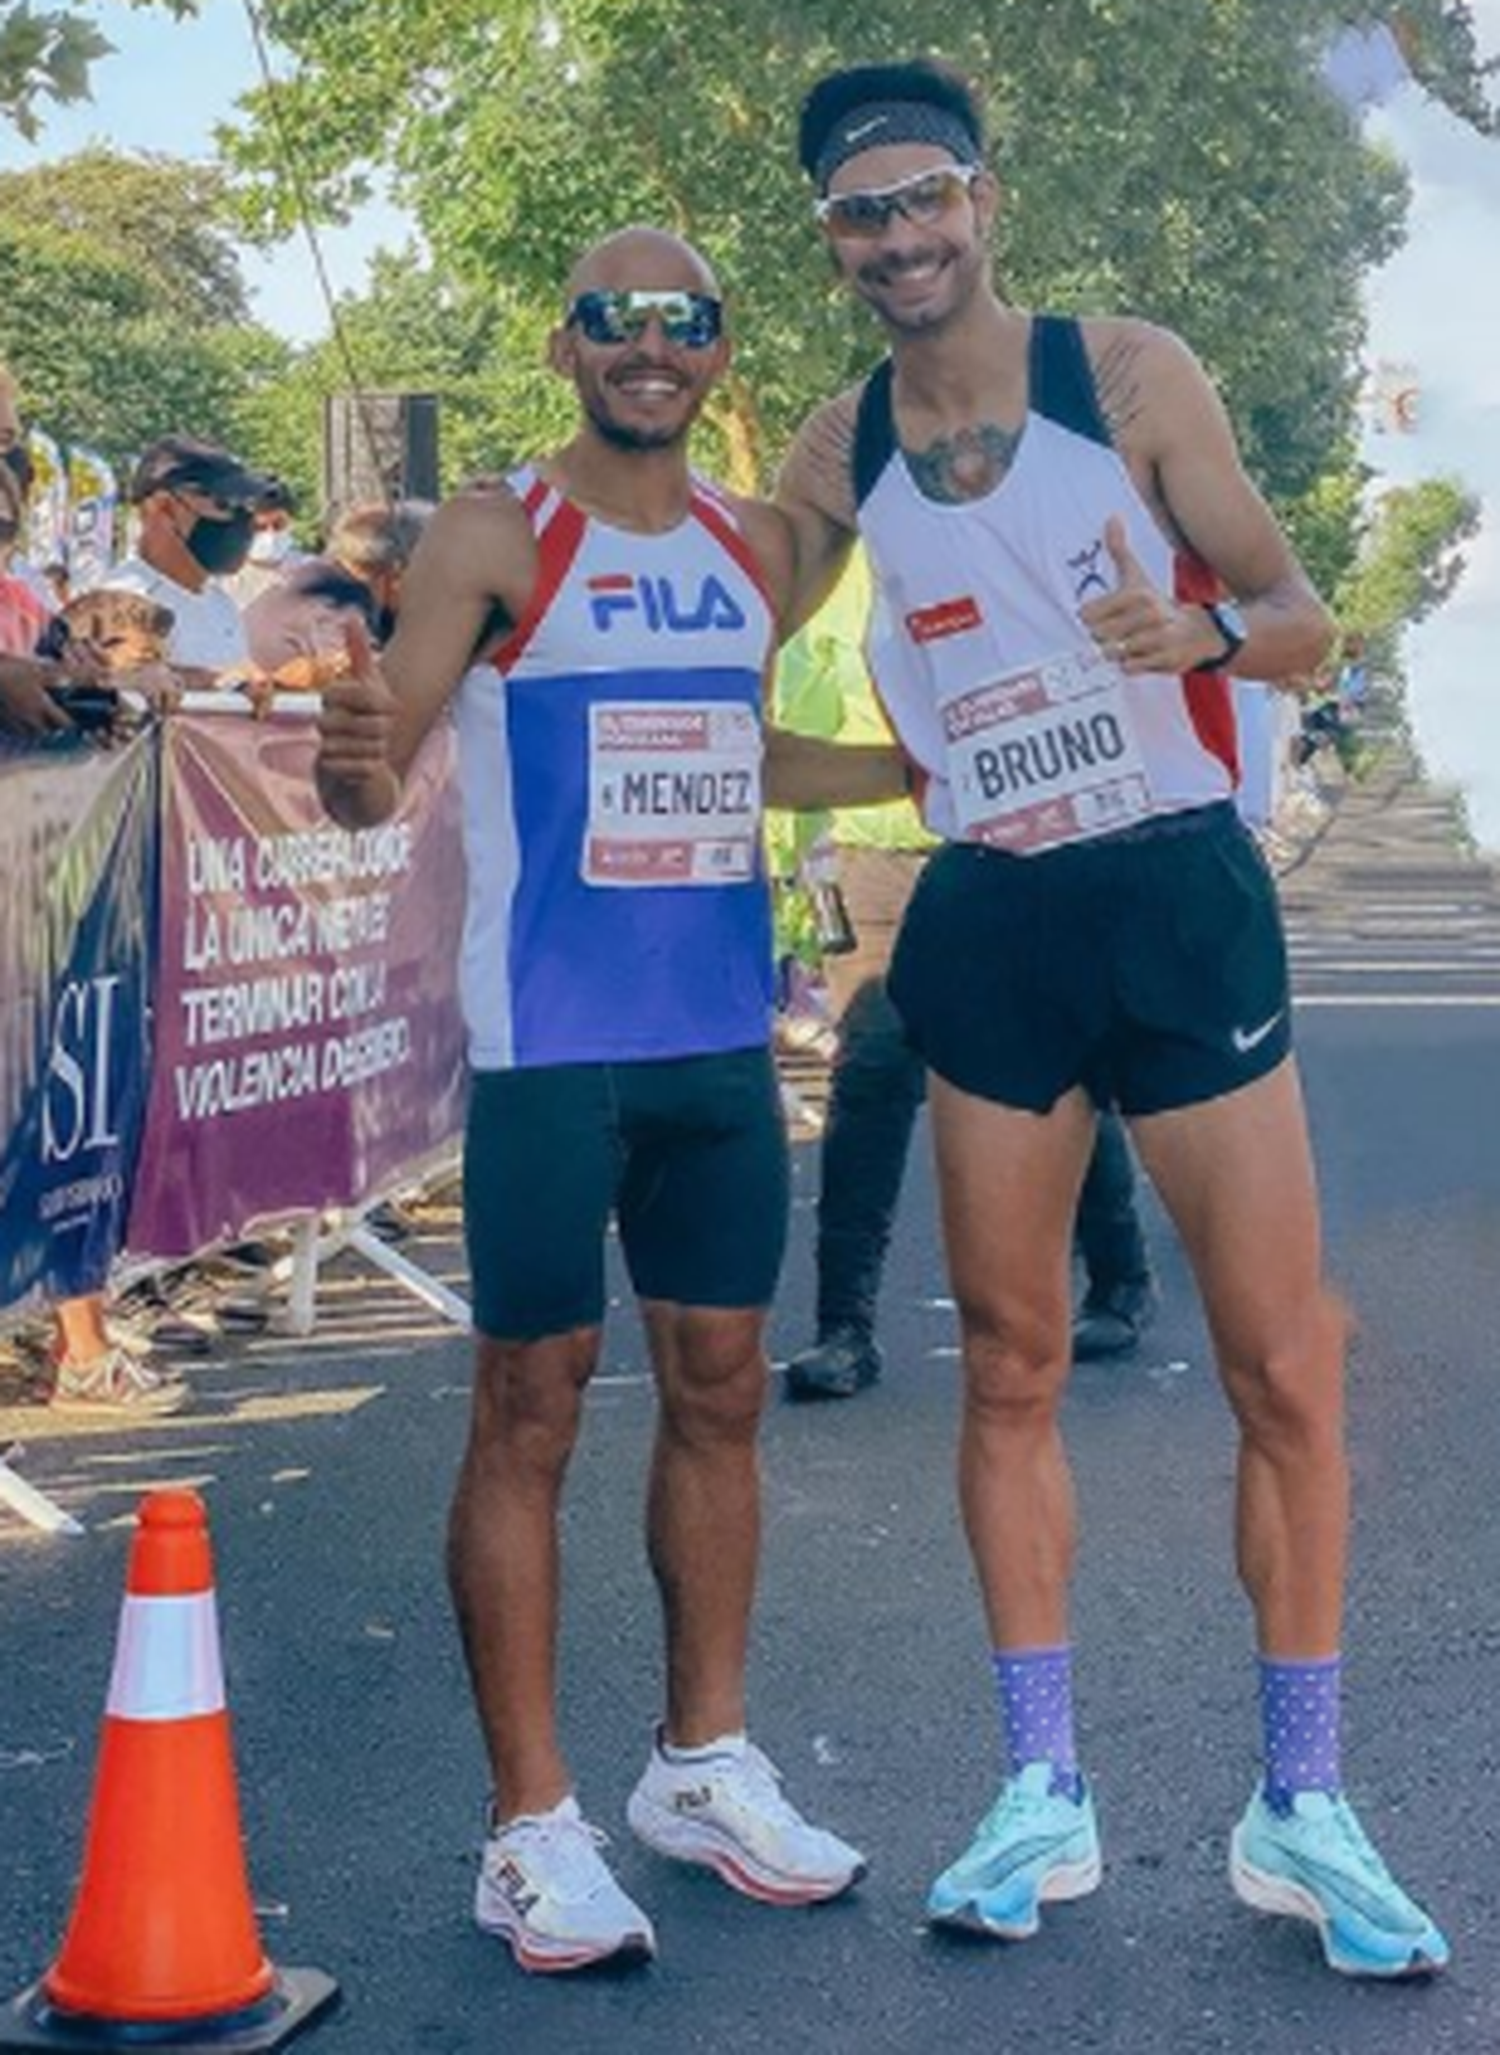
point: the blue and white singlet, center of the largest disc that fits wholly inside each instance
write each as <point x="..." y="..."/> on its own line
<point x="610" y="764"/>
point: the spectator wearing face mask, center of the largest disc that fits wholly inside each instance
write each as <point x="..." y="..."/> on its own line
<point x="296" y="629"/>
<point x="197" y="515"/>
<point x="273" y="548"/>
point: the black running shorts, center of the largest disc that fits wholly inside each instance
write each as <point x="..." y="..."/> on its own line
<point x="1148" y="966"/>
<point x="688" y="1154"/>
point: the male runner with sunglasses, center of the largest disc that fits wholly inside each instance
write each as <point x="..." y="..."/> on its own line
<point x="1056" y="515"/>
<point x="616" y="979"/>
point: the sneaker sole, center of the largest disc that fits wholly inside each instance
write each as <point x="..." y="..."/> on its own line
<point x="1060" y="1886"/>
<point x="543" y="1956"/>
<point x="1279" y="1896"/>
<point x="705" y="1848"/>
<point x="117" y="1409"/>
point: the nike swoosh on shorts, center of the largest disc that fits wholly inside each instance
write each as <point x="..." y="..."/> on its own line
<point x="1246" y="1039"/>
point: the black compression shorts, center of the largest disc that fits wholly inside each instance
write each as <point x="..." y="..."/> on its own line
<point x="689" y="1154"/>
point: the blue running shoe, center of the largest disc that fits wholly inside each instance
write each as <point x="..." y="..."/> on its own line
<point x="1036" y="1846"/>
<point x="1314" y="1862"/>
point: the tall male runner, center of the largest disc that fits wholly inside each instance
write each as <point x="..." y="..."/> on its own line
<point x="1056" y="517"/>
<point x="616" y="979"/>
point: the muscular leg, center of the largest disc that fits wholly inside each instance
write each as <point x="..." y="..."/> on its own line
<point x="703" y="1509"/>
<point x="1236" y="1175"/>
<point x="503" y="1553"/>
<point x="1009" y="1185"/>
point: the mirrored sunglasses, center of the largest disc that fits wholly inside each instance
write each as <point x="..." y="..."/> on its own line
<point x="689" y="321"/>
<point x="922" y="199"/>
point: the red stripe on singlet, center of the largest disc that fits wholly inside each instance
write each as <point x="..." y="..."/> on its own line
<point x="1209" y="694"/>
<point x="557" y="545"/>
<point x="720" y="524"/>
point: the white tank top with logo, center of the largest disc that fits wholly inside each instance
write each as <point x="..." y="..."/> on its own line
<point x="1023" y="735"/>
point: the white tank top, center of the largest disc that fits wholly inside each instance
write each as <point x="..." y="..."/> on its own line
<point x="1022" y="735"/>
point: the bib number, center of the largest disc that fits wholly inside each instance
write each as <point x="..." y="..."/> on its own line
<point x="1045" y="755"/>
<point x="674" y="794"/>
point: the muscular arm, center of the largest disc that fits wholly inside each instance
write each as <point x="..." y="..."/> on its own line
<point x="815" y="491"/>
<point x="478" y="553"/>
<point x="803" y="771"/>
<point x="1170" y="426"/>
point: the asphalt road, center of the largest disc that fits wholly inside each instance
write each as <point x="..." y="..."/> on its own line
<point x="327" y="1466"/>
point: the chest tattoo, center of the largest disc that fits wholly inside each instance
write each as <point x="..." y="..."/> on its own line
<point x="967" y="465"/>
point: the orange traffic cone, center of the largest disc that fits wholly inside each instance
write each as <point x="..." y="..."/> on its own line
<point x="162" y="1949"/>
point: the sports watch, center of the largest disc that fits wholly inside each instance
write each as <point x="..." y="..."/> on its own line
<point x="1230" y="623"/>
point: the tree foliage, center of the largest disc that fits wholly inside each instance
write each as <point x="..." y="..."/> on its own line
<point x="412" y="330"/>
<point x="170" y="220"/>
<point x="1410" y="560"/>
<point x="122" y="305"/>
<point x="1177" y="158"/>
<point x="46" y="55"/>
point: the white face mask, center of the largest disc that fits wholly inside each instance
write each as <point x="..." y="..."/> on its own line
<point x="271" y="546"/>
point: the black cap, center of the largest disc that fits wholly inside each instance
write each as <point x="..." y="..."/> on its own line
<point x="177" y="461"/>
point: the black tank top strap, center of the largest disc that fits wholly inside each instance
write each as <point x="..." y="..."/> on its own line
<point x="874" y="431"/>
<point x="1062" y="388"/>
<point x="1062" y="379"/>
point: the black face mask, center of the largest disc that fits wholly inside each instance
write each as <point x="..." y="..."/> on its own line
<point x="9" y="530"/>
<point x="220" y="546"/>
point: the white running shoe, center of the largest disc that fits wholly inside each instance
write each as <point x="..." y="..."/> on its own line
<point x="545" y="1889"/>
<point x="117" y="1384"/>
<point x="722" y="1807"/>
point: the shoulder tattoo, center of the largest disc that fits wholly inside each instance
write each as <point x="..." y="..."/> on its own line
<point x="1117" y="380"/>
<point x="967" y="465"/>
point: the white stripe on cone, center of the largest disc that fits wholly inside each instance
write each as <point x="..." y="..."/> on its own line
<point x="167" y="1664"/>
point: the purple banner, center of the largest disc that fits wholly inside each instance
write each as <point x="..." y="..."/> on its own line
<point x="308" y="1039"/>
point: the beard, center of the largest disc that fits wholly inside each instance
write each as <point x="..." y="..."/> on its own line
<point x="959" y="283"/>
<point x="621" y="435"/>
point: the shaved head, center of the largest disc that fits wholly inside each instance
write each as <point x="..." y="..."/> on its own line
<point x="642" y="260"/>
<point x="641" y="385"/>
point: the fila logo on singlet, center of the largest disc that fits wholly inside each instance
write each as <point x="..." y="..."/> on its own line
<point x="661" y="607"/>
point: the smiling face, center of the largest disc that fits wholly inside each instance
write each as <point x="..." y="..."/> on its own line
<point x="920" y="265"/>
<point x="644" y="391"/>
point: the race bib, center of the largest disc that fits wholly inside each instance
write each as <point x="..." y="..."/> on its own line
<point x="1045" y="755"/>
<point x="674" y="794"/>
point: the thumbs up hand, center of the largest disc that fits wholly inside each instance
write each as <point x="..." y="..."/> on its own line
<point x="355" y="730"/>
<point x="1139" y="627"/>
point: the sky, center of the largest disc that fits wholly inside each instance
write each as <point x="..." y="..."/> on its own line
<point x="1436" y="305"/>
<point x="202" y="64"/>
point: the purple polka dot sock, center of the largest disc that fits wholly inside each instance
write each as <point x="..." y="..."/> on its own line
<point x="1299" y="1710"/>
<point x="1036" y="1711"/>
